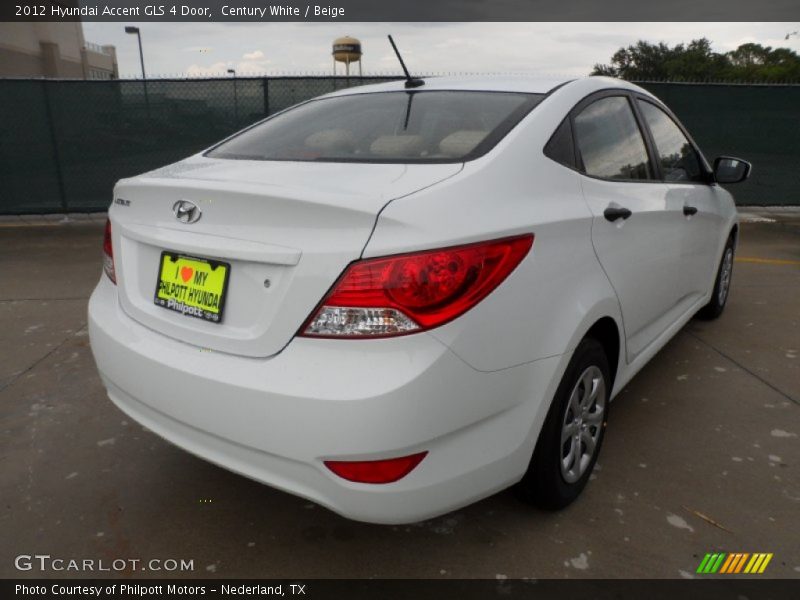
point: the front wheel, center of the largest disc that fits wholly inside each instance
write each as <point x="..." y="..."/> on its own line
<point x="573" y="431"/>
<point x="722" y="284"/>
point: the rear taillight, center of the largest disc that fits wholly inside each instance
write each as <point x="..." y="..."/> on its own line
<point x="407" y="293"/>
<point x="108" y="254"/>
<point x="375" y="471"/>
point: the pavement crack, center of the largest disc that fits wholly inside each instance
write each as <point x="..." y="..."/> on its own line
<point x="743" y="368"/>
<point x="7" y="384"/>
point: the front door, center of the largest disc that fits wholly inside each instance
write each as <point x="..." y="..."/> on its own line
<point x="688" y="185"/>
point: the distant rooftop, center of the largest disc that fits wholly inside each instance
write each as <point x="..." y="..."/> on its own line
<point x="97" y="48"/>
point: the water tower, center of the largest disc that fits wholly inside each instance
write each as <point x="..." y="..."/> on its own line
<point x="347" y="50"/>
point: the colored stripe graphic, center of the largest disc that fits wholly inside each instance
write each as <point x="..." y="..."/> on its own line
<point x="735" y="562"/>
<point x="726" y="564"/>
<point x="711" y="563"/>
<point x="741" y="562"/>
<point x="703" y="563"/>
<point x="730" y="563"/>
<point x="717" y="563"/>
<point x="764" y="564"/>
<point x="755" y="562"/>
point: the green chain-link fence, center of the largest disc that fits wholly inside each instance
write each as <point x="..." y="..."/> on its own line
<point x="63" y="144"/>
<point x="760" y="123"/>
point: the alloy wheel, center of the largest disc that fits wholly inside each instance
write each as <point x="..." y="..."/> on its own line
<point x="582" y="423"/>
<point x="725" y="276"/>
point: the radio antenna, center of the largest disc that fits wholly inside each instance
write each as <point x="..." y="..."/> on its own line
<point x="411" y="82"/>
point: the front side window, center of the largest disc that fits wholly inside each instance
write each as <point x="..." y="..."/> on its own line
<point x="413" y="126"/>
<point x="610" y="142"/>
<point x="678" y="158"/>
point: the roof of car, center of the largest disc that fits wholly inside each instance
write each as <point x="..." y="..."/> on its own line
<point x="494" y="83"/>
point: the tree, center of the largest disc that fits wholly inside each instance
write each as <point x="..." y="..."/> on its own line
<point x="696" y="61"/>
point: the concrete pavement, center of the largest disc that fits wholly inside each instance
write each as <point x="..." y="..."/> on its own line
<point x="701" y="454"/>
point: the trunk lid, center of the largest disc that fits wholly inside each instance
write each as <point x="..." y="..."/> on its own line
<point x="294" y="225"/>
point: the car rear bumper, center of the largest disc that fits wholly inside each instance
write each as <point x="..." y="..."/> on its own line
<point x="275" y="420"/>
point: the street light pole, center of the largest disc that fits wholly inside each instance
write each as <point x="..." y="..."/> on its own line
<point x="235" y="98"/>
<point x="130" y="29"/>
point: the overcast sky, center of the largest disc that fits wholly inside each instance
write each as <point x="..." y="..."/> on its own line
<point x="569" y="49"/>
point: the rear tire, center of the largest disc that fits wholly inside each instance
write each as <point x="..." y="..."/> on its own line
<point x="722" y="284"/>
<point x="573" y="431"/>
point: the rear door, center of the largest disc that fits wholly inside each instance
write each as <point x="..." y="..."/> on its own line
<point x="684" y="172"/>
<point x="636" y="228"/>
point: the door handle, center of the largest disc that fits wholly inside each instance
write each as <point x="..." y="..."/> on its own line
<point x="689" y="210"/>
<point x="613" y="213"/>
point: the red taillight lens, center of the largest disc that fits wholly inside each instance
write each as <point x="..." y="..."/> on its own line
<point x="108" y="254"/>
<point x="375" y="471"/>
<point x="412" y="292"/>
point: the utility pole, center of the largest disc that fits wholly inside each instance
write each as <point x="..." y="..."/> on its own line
<point x="130" y="29"/>
<point x="235" y="98"/>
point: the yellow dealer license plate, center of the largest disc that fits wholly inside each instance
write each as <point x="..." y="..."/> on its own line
<point x="192" y="286"/>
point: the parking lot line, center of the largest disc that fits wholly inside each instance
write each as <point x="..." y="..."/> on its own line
<point x="767" y="261"/>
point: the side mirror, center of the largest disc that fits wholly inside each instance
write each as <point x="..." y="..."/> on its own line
<point x="728" y="169"/>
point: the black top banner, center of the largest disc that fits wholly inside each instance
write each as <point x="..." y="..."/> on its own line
<point x="224" y="11"/>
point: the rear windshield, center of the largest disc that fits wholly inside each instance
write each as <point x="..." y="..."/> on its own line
<point x="400" y="127"/>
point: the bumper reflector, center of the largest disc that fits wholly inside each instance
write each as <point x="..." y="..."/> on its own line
<point x="375" y="471"/>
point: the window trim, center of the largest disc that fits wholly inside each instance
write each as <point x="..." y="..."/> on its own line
<point x="705" y="168"/>
<point x="647" y="136"/>
<point x="591" y="99"/>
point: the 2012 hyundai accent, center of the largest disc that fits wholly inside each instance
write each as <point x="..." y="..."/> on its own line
<point x="398" y="299"/>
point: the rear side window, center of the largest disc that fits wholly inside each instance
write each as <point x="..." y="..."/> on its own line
<point x="560" y="148"/>
<point x="678" y="158"/>
<point x="610" y="142"/>
<point x="403" y="126"/>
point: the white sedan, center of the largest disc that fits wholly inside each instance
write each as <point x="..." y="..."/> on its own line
<point x="396" y="300"/>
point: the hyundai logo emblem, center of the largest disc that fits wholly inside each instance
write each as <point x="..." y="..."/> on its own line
<point x="187" y="212"/>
